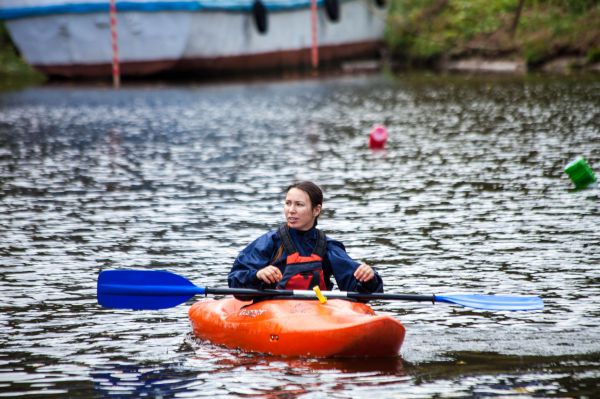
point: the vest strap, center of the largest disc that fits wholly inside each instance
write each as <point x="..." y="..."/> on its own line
<point x="321" y="247"/>
<point x="286" y="239"/>
<point x="315" y="281"/>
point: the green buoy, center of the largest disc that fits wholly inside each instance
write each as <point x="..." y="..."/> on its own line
<point x="580" y="173"/>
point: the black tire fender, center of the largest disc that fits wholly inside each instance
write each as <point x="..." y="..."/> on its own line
<point x="333" y="10"/>
<point x="260" y="16"/>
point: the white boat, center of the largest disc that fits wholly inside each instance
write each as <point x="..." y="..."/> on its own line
<point x="73" y="38"/>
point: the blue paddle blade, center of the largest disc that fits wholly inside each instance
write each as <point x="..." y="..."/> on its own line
<point x="493" y="302"/>
<point x="144" y="289"/>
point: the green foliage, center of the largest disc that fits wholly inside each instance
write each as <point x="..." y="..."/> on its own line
<point x="423" y="30"/>
<point x="14" y="72"/>
<point x="593" y="55"/>
<point x="553" y="30"/>
<point x="535" y="52"/>
<point x="570" y="6"/>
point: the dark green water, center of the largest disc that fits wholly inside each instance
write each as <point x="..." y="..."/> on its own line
<point x="469" y="196"/>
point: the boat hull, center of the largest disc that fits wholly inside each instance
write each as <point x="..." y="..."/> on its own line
<point x="303" y="328"/>
<point x="196" y="41"/>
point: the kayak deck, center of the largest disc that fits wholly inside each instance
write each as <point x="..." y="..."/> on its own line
<point x="291" y="327"/>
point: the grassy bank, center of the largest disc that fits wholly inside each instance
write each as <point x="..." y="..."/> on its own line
<point x="14" y="72"/>
<point x="423" y="32"/>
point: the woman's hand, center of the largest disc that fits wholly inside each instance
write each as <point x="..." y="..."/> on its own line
<point x="269" y="274"/>
<point x="364" y="273"/>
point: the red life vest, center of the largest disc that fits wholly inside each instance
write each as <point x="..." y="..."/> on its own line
<point x="302" y="272"/>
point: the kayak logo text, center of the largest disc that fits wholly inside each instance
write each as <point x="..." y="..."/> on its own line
<point x="252" y="312"/>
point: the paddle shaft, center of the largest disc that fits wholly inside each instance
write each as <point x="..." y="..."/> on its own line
<point x="169" y="290"/>
<point x="310" y="294"/>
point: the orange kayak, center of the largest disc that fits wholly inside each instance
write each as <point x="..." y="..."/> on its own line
<point x="292" y="327"/>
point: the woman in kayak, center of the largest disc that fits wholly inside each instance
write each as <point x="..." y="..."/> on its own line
<point x="299" y="256"/>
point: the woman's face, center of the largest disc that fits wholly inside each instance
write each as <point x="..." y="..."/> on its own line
<point x="298" y="210"/>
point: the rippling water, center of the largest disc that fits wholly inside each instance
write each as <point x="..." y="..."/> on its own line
<point x="469" y="196"/>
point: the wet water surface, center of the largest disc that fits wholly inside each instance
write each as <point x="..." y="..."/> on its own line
<point x="469" y="196"/>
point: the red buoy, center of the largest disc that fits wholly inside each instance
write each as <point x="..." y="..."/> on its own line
<point x="378" y="136"/>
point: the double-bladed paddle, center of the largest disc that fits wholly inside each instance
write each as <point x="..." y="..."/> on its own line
<point x="158" y="289"/>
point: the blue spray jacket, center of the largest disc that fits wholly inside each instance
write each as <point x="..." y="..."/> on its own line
<point x="337" y="263"/>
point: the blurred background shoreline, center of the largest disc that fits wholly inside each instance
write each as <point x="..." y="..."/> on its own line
<point x="548" y="36"/>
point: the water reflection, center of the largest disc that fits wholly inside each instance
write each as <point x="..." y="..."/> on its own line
<point x="242" y="374"/>
<point x="134" y="381"/>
